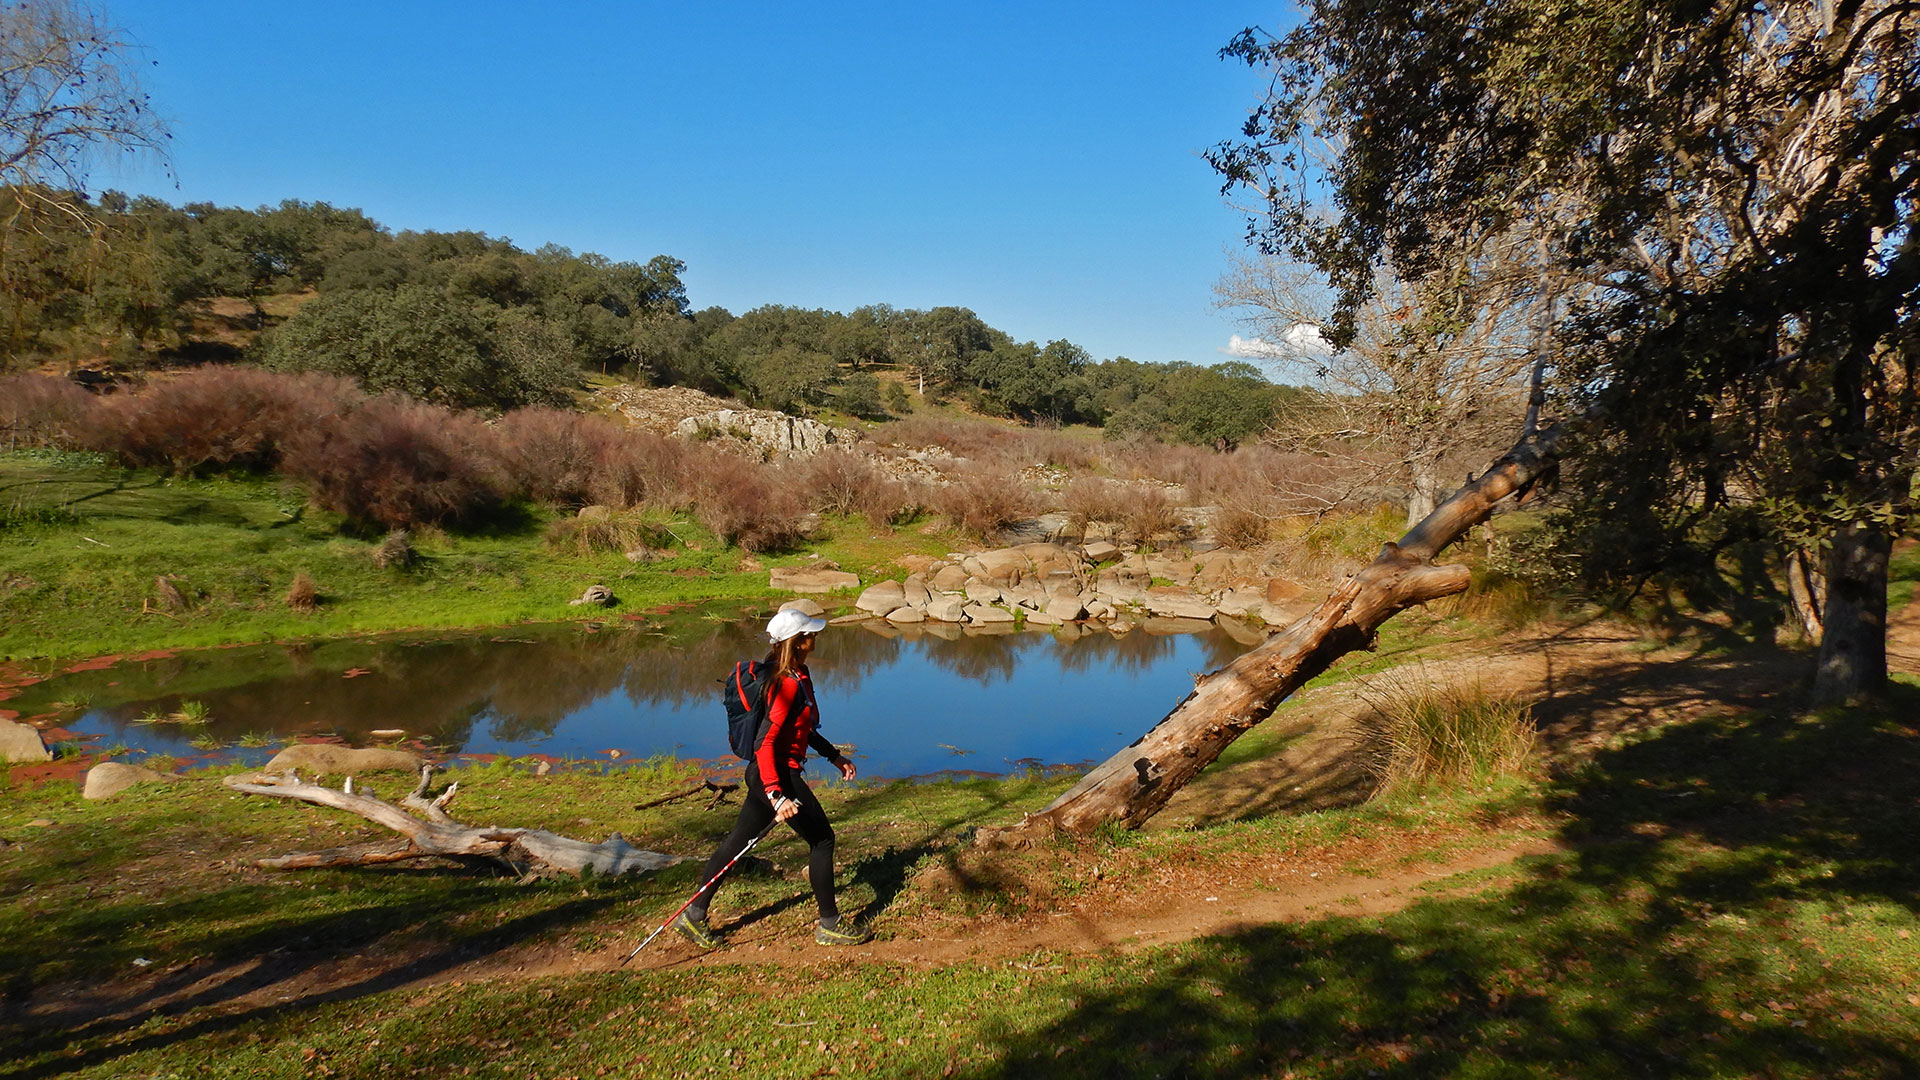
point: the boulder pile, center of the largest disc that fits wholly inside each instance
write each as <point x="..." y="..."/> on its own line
<point x="1055" y="585"/>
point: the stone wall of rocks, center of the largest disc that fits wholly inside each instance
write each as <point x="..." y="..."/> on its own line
<point x="769" y="434"/>
<point x="1052" y="585"/>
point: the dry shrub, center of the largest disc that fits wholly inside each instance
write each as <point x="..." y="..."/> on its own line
<point x="168" y="593"/>
<point x="303" y="595"/>
<point x="395" y="552"/>
<point x="1424" y="732"/>
<point x="1149" y="513"/>
<point x="742" y="502"/>
<point x="587" y="533"/>
<point x="982" y="502"/>
<point x="637" y="468"/>
<point x="40" y="410"/>
<point x="553" y="456"/>
<point x="844" y="482"/>
<point x="1089" y="498"/>
<point x="1245" y="529"/>
<point x="397" y="463"/>
<point x="221" y="417"/>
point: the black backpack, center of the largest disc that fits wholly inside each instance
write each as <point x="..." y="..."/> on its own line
<point x="745" y="697"/>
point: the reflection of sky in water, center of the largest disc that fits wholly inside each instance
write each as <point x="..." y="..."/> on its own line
<point x="910" y="707"/>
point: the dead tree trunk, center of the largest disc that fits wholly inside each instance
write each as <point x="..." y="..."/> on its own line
<point x="1135" y="783"/>
<point x="429" y="832"/>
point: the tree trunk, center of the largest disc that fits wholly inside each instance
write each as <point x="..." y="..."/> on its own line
<point x="1806" y="591"/>
<point x="1852" y="661"/>
<point x="1423" y="494"/>
<point x="430" y="833"/>
<point x="1132" y="785"/>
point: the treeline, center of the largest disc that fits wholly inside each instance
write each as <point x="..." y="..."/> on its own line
<point x="466" y="320"/>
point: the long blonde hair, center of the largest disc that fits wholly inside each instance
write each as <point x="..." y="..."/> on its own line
<point x="781" y="659"/>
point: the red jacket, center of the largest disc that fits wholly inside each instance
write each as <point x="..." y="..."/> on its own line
<point x="793" y="724"/>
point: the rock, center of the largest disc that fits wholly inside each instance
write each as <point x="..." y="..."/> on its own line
<point x="1170" y="567"/>
<point x="1174" y="603"/>
<point x="981" y="614"/>
<point x="1220" y="569"/>
<point x="946" y="609"/>
<point x="1165" y="625"/>
<point x="595" y="594"/>
<point x="804" y="607"/>
<point x="1066" y="609"/>
<point x="1099" y="551"/>
<point x="916" y="592"/>
<point x="949" y="578"/>
<point x="810" y="579"/>
<point x="845" y="620"/>
<point x="1280" y="590"/>
<point x="595" y="513"/>
<point x="1275" y="615"/>
<point x="1121" y="593"/>
<point x="1003" y="567"/>
<point x="1240" y="631"/>
<point x="1041" y="618"/>
<point x="1242" y="601"/>
<point x="22" y="742"/>
<point x="1050" y="558"/>
<point x="1031" y="597"/>
<point x="906" y="614"/>
<point x="110" y="778"/>
<point x="1099" y="609"/>
<point x="981" y="592"/>
<point x="881" y="598"/>
<point x="988" y="629"/>
<point x="328" y="759"/>
<point x="770" y="433"/>
<point x="917" y="564"/>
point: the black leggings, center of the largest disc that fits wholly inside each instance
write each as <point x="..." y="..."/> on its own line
<point x="756" y="813"/>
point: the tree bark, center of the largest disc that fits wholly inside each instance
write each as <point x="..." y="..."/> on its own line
<point x="1806" y="591"/>
<point x="1852" y="661"/>
<point x="430" y="832"/>
<point x="1132" y="785"/>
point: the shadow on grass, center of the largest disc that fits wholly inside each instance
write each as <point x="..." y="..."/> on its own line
<point x="291" y="954"/>
<point x="1731" y="907"/>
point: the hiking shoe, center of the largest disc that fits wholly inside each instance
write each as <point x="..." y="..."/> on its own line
<point x="844" y="934"/>
<point x="696" y="931"/>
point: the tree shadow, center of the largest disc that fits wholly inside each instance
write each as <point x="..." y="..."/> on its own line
<point x="1671" y="940"/>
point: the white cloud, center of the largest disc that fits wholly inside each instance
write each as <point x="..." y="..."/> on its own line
<point x="1300" y="340"/>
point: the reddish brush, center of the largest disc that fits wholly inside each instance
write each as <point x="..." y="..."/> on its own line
<point x="220" y="417"/>
<point x="38" y="410"/>
<point x="744" y="503"/>
<point x="397" y="463"/>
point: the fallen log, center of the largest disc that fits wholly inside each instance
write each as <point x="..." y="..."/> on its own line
<point x="428" y="831"/>
<point x="1132" y="785"/>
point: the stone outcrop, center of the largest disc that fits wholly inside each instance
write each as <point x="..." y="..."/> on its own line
<point x="1061" y="587"/>
<point x="769" y="434"/>
<point x="328" y="759"/>
<point x="810" y="580"/>
<point x="22" y="742"/>
<point x="110" y="778"/>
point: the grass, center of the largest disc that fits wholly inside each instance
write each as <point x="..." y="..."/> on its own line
<point x="1738" y="899"/>
<point x="83" y="582"/>
<point x="1424" y="733"/>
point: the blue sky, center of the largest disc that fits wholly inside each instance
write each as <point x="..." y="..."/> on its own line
<point x="1036" y="162"/>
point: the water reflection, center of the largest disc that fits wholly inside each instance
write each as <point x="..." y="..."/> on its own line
<point x="910" y="703"/>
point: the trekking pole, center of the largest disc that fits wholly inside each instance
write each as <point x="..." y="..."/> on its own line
<point x="697" y="893"/>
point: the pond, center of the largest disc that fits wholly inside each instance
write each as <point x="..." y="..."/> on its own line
<point x="910" y="706"/>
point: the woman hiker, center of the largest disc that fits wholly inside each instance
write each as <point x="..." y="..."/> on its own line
<point x="776" y="790"/>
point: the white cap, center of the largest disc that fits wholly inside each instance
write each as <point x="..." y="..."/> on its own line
<point x="788" y="623"/>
